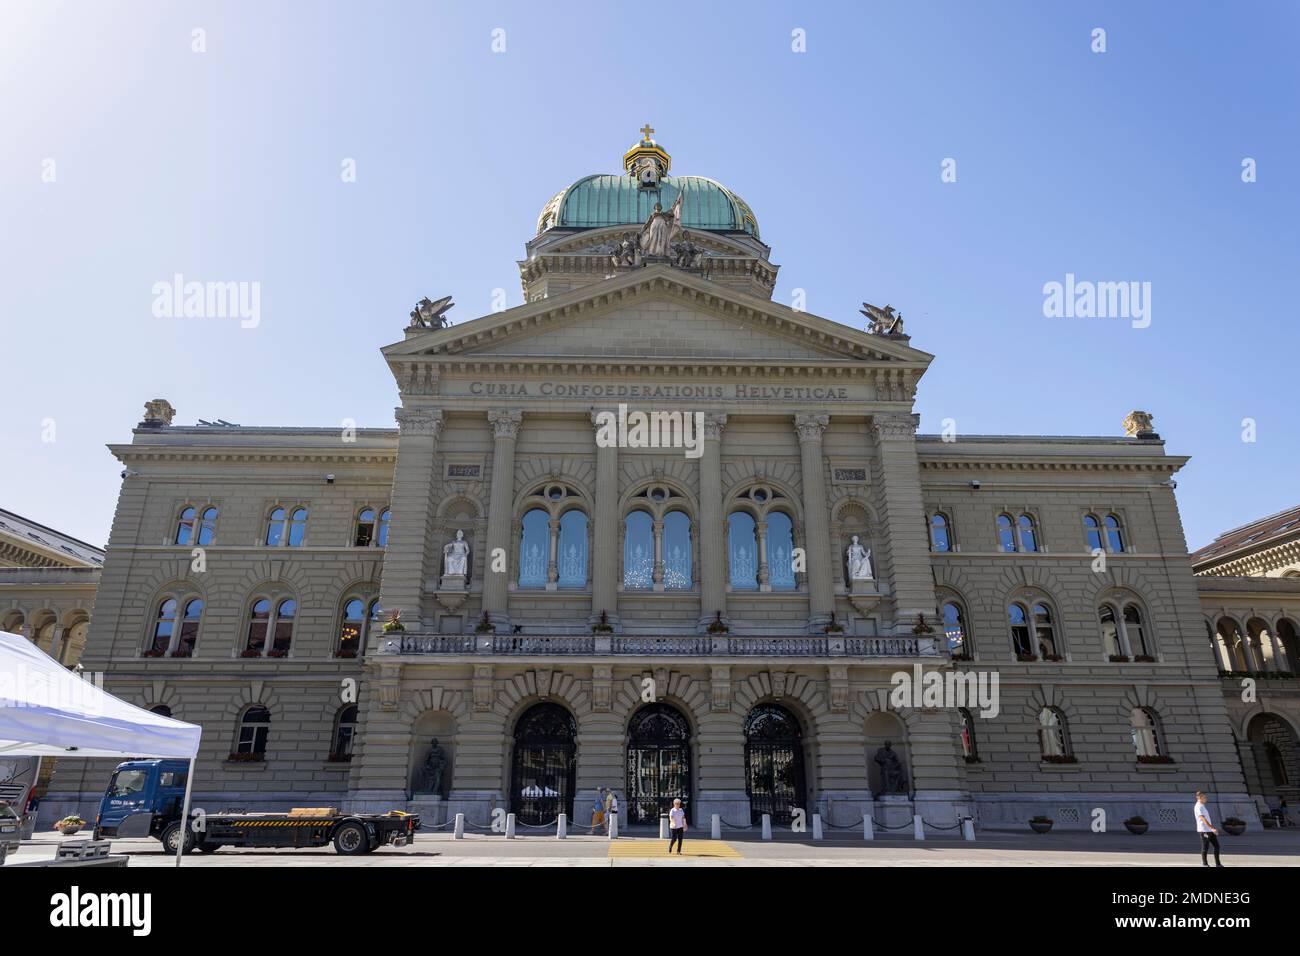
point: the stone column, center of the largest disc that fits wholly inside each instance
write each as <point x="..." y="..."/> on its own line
<point x="605" y="527"/>
<point x="713" y="558"/>
<point x="415" y="478"/>
<point x="904" y="524"/>
<point x="505" y="430"/>
<point x="817" y="535"/>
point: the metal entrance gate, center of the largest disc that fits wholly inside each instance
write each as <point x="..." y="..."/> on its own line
<point x="545" y="762"/>
<point x="658" y="762"/>
<point x="774" y="777"/>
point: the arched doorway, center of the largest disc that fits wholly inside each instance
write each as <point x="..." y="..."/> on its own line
<point x="658" y="762"/>
<point x="545" y="761"/>
<point x="1277" y="759"/>
<point x="774" y="776"/>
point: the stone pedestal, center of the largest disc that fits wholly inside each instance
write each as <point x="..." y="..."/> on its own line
<point x="842" y="808"/>
<point x="893" y="810"/>
<point x="431" y="808"/>
<point x="731" y="805"/>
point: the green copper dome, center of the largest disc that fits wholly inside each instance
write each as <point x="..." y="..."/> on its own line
<point x="596" y="201"/>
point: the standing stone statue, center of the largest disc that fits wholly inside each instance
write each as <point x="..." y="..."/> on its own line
<point x="893" y="779"/>
<point x="661" y="230"/>
<point x="859" y="561"/>
<point x="434" y="765"/>
<point x="455" y="556"/>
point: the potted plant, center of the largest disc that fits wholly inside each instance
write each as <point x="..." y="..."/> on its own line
<point x="1119" y="658"/>
<point x="485" y="625"/>
<point x="962" y="656"/>
<point x="1059" y="758"/>
<point x="922" y="626"/>
<point x="717" y="626"/>
<point x="245" y="758"/>
<point x="1136" y="825"/>
<point x="70" y="825"/>
<point x="833" y="626"/>
<point x="1054" y="658"/>
<point x="251" y="652"/>
<point x="1027" y="658"/>
<point x="340" y="758"/>
<point x="182" y="652"/>
<point x="603" y="626"/>
<point x="1234" y="826"/>
<point x="1144" y="659"/>
<point x="1040" y="823"/>
<point x="277" y="652"/>
<point x="394" y="622"/>
<point x="346" y="652"/>
<point x="153" y="652"/>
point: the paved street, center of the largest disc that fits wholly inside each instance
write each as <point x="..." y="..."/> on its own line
<point x="993" y="848"/>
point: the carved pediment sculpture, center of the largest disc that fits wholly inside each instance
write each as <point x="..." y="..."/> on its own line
<point x="882" y="321"/>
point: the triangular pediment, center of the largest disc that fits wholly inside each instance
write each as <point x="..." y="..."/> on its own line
<point x="658" y="313"/>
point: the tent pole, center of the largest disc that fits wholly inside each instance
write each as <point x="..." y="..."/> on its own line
<point x="185" y="812"/>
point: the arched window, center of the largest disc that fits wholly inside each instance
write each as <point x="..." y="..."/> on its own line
<point x="780" y="551"/>
<point x="968" y="746"/>
<point x="1044" y="632"/>
<point x="286" y="528"/>
<point x="543" y="772"/>
<point x="384" y="521"/>
<point x="1053" y="736"/>
<point x="1022" y="635"/>
<point x="297" y="527"/>
<point x="365" y="535"/>
<point x="270" y="628"/>
<point x="1134" y="634"/>
<point x="638" y="550"/>
<point x="276" y="526"/>
<point x="1110" y="637"/>
<point x="345" y="734"/>
<point x="534" y="549"/>
<point x="940" y="532"/>
<point x="1092" y="531"/>
<point x="1114" y="534"/>
<point x="572" y="549"/>
<point x="352" y="630"/>
<point x="1231" y="646"/>
<point x="1286" y="645"/>
<point x="1033" y="632"/>
<point x="677" y="551"/>
<point x="1017" y="534"/>
<point x="1006" y="533"/>
<point x="954" y="627"/>
<point x="254" y="727"/>
<point x="1146" y="733"/>
<point x="195" y="528"/>
<point x="162" y="710"/>
<point x="742" y="551"/>
<point x="1028" y="537"/>
<point x="774" y="771"/>
<point x="173" y="635"/>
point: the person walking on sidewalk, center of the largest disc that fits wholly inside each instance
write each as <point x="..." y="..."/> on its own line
<point x="1209" y="835"/>
<point x="676" y="826"/>
<point x="611" y="814"/>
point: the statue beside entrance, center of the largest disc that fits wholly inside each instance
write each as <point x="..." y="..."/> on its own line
<point x="893" y="779"/>
<point x="435" y="764"/>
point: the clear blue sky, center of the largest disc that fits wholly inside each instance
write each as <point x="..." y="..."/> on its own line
<point x="225" y="165"/>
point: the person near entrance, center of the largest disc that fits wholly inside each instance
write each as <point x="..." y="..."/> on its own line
<point x="611" y="813"/>
<point x="1209" y="835"/>
<point x="598" y="810"/>
<point x="676" y="825"/>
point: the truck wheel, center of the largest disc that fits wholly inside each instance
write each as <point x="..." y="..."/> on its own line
<point x="351" y="839"/>
<point x="170" y="835"/>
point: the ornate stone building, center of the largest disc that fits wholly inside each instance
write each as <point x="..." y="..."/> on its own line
<point x="655" y="531"/>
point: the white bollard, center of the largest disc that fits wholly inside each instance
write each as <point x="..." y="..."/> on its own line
<point x="767" y="826"/>
<point x="715" y="828"/>
<point x="817" y="826"/>
<point x="460" y="826"/>
<point x="968" y="828"/>
<point x="613" y="826"/>
<point x="510" y="826"/>
<point x="663" y="827"/>
<point x="918" y="828"/>
<point x="868" y="829"/>
<point x="562" y="827"/>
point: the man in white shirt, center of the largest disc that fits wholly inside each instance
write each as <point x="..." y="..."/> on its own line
<point x="676" y="826"/>
<point x="1209" y="835"/>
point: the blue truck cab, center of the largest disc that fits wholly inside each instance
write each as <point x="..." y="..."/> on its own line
<point x="142" y="798"/>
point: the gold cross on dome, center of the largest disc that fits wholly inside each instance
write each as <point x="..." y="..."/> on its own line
<point x="646" y="132"/>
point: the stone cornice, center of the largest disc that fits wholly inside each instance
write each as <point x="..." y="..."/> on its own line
<point x="131" y="454"/>
<point x="1251" y="563"/>
<point x="1022" y="463"/>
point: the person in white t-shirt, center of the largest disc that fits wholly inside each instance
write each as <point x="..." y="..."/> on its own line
<point x="1209" y="835"/>
<point x="676" y="826"/>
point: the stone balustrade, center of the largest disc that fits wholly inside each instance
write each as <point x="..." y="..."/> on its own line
<point x="715" y="645"/>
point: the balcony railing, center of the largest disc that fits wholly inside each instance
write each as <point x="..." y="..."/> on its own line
<point x="702" y="645"/>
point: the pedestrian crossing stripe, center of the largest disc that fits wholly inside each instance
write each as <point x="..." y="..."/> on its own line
<point x="630" y="848"/>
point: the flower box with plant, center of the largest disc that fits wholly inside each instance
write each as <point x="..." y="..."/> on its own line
<point x="1119" y="658"/>
<point x="70" y="825"/>
<point x="153" y="652"/>
<point x="962" y="656"/>
<point x="182" y="652"/>
<point x="346" y="652"/>
<point x="1054" y="658"/>
<point x="717" y="626"/>
<point x="277" y="652"/>
<point x="1234" y="826"/>
<point x="971" y="758"/>
<point x="1144" y="659"/>
<point x="1027" y="658"/>
<point x="1059" y="758"/>
<point x="246" y="758"/>
<point x="340" y="758"/>
<point x="250" y="652"/>
<point x="834" y="626"/>
<point x="1155" y="758"/>
<point x="1040" y="824"/>
<point x="394" y="622"/>
<point x="922" y="626"/>
<point x="603" y="626"/>
<point x="485" y="625"/>
<point x="1136" y="825"/>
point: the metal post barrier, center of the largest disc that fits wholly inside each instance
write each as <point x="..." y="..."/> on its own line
<point x="968" y="828"/>
<point x="767" y="826"/>
<point x="510" y="826"/>
<point x="715" y="828"/>
<point x="663" y="826"/>
<point x="613" y="826"/>
<point x="460" y="826"/>
<point x="562" y="827"/>
<point x="817" y="826"/>
<point x="868" y="829"/>
<point x="918" y="828"/>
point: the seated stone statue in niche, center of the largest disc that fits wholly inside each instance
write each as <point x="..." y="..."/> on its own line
<point x="455" y="556"/>
<point x="434" y="766"/>
<point x="893" y="779"/>
<point x="859" y="559"/>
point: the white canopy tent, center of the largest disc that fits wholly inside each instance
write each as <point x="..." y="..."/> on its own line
<point x="47" y="710"/>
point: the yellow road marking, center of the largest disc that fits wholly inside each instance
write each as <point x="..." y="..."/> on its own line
<point x="639" y="848"/>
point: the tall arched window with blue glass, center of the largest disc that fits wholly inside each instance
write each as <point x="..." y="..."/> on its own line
<point x="658" y="541"/>
<point x="554" y="541"/>
<point x="760" y="542"/>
